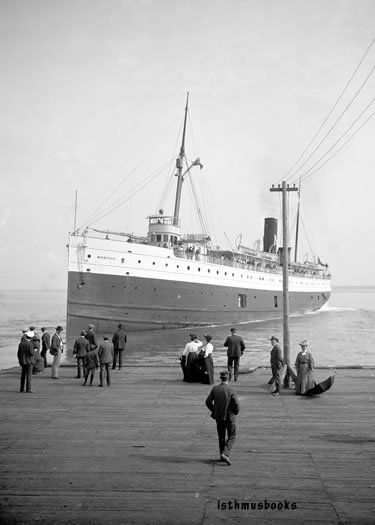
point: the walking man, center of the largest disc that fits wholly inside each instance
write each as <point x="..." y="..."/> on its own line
<point x="26" y="355"/>
<point x="277" y="365"/>
<point x="57" y="348"/>
<point x="46" y="344"/>
<point x="119" y="341"/>
<point x="105" y="355"/>
<point x="223" y="403"/>
<point x="91" y="337"/>
<point x="236" y="346"/>
<point x="80" y="349"/>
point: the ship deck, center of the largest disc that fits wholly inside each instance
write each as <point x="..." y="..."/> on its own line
<point x="145" y="451"/>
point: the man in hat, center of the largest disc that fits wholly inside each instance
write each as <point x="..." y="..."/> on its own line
<point x="119" y="341"/>
<point x="91" y="337"/>
<point x="105" y="355"/>
<point x="26" y="356"/>
<point x="46" y="344"/>
<point x="236" y="347"/>
<point x="57" y="348"/>
<point x="223" y="403"/>
<point x="80" y="349"/>
<point x="277" y="364"/>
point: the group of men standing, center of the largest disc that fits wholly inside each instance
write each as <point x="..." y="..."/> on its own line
<point x="32" y="359"/>
<point x="91" y="355"/>
<point x="33" y="349"/>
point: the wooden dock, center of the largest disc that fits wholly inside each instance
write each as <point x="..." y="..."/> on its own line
<point x="145" y="451"/>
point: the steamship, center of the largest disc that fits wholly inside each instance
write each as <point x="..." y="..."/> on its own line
<point x="168" y="279"/>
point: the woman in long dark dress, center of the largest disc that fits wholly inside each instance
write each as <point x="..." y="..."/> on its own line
<point x="305" y="369"/>
<point x="207" y="364"/>
<point x="189" y="360"/>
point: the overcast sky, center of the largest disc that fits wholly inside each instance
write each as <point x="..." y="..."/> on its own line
<point x="92" y="98"/>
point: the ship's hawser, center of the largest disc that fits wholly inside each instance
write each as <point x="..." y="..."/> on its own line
<point x="169" y="279"/>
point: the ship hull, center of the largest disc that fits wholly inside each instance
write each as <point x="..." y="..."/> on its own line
<point x="152" y="304"/>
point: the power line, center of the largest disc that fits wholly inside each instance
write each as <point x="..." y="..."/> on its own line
<point x="330" y="112"/>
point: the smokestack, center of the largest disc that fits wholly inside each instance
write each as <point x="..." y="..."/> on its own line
<point x="270" y="235"/>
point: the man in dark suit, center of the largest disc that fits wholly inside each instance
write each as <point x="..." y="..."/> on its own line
<point x="46" y="343"/>
<point x="277" y="364"/>
<point x="26" y="356"/>
<point x="80" y="349"/>
<point x="91" y="337"/>
<point x="236" y="346"/>
<point x="105" y="355"/>
<point x="223" y="403"/>
<point x="119" y="341"/>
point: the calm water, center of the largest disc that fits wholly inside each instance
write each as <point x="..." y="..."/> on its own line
<point x="341" y="334"/>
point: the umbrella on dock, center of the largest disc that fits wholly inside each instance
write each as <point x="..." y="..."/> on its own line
<point x="321" y="387"/>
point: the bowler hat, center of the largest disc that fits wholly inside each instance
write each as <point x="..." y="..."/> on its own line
<point x="32" y="328"/>
<point x="273" y="338"/>
<point x="59" y="328"/>
<point x="193" y="336"/>
<point x="208" y="337"/>
<point x="224" y="374"/>
<point x="233" y="330"/>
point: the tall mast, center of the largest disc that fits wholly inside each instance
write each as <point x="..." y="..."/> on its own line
<point x="179" y="166"/>
<point x="297" y="223"/>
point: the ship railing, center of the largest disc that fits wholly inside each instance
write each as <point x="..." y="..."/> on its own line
<point x="254" y="266"/>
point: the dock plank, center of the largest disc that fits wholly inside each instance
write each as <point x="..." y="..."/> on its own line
<point x="145" y="451"/>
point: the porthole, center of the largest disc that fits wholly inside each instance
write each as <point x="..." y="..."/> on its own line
<point x="188" y="267"/>
<point x="88" y="270"/>
<point x="153" y="263"/>
<point x="139" y="261"/>
<point x="122" y="260"/>
<point x="89" y="255"/>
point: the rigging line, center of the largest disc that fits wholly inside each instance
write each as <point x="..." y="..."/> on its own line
<point x="134" y="169"/>
<point x="200" y="208"/>
<point x="307" y="173"/>
<point x="308" y="239"/>
<point x="169" y="182"/>
<point x="207" y="208"/>
<point x="171" y="177"/>
<point x="140" y="183"/>
<point x="332" y="109"/>
<point x="334" y="124"/>
<point x="197" y="206"/>
<point x="128" y="195"/>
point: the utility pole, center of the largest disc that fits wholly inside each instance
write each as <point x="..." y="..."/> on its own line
<point x="285" y="261"/>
